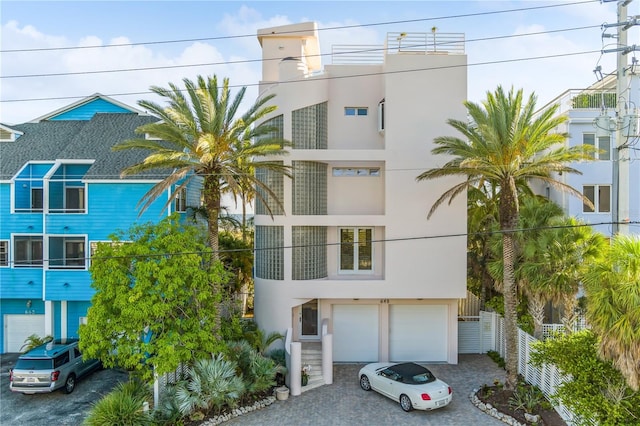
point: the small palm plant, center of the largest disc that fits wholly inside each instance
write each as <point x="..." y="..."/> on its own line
<point x="211" y="384"/>
<point x="34" y="341"/>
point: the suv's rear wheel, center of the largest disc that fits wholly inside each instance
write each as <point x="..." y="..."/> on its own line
<point x="70" y="384"/>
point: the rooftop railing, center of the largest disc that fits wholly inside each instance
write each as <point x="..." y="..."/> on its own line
<point x="583" y="99"/>
<point x="399" y="43"/>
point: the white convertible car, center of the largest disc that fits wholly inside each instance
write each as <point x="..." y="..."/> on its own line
<point x="412" y="385"/>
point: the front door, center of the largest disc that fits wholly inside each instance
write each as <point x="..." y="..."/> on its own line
<point x="309" y="320"/>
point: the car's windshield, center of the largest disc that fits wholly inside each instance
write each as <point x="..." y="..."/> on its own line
<point x="34" y="364"/>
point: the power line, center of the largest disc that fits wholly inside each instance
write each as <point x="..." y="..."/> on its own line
<point x="246" y="61"/>
<point x="385" y="240"/>
<point x="342" y="27"/>
<point x="503" y="61"/>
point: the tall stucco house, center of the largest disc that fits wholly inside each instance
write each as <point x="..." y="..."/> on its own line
<point x="60" y="194"/>
<point x="593" y="120"/>
<point x="350" y="251"/>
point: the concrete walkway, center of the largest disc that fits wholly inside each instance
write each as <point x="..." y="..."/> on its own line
<point x="344" y="403"/>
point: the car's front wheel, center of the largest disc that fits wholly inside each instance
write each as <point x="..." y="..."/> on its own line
<point x="70" y="384"/>
<point x="405" y="403"/>
<point x="364" y="383"/>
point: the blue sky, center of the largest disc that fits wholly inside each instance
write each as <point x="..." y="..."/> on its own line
<point x="495" y="54"/>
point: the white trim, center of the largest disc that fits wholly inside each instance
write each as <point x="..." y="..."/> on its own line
<point x="8" y="253"/>
<point x="84" y="101"/>
<point x="12" y="132"/>
<point x="12" y="260"/>
<point x="64" y="332"/>
<point x="64" y="237"/>
<point x="154" y="181"/>
<point x="48" y="317"/>
<point x="355" y="270"/>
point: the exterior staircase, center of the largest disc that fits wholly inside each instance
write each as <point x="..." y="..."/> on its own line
<point x="312" y="356"/>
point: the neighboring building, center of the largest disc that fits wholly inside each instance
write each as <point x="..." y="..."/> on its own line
<point x="60" y="194"/>
<point x="592" y="121"/>
<point x="353" y="245"/>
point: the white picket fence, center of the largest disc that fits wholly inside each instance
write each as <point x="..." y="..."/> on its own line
<point x="547" y="378"/>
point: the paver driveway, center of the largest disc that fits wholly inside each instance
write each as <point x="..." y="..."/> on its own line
<point x="344" y="403"/>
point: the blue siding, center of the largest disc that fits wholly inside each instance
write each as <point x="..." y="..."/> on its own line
<point x="88" y="110"/>
<point x="114" y="207"/>
<point x="17" y="306"/>
<point x="68" y="285"/>
<point x="18" y="283"/>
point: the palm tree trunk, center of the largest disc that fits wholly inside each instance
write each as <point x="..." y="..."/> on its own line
<point x="212" y="203"/>
<point x="508" y="222"/>
<point x="536" y="309"/>
<point x="569" y="313"/>
<point x="244" y="217"/>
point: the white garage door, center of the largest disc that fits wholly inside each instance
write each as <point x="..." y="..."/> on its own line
<point x="355" y="333"/>
<point x="418" y="332"/>
<point x="18" y="327"/>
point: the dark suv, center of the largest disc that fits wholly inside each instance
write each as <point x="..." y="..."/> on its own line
<point x="54" y="365"/>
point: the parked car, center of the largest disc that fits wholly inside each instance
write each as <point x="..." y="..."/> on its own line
<point x="411" y="384"/>
<point x="46" y="368"/>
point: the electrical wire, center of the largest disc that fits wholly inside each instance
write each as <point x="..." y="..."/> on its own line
<point x="342" y="27"/>
<point x="245" y="61"/>
<point x="386" y="240"/>
<point x="315" y="79"/>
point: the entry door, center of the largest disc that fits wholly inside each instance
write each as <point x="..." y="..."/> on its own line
<point x="309" y="320"/>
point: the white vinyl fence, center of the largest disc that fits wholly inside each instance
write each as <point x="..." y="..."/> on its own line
<point x="547" y="378"/>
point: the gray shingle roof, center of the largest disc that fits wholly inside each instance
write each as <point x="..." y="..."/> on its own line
<point x="80" y="140"/>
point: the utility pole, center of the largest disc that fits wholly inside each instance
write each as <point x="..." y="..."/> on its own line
<point x="620" y="156"/>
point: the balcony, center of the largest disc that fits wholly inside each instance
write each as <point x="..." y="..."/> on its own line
<point x="575" y="99"/>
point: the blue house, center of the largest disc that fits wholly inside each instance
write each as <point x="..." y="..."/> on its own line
<point x="60" y="194"/>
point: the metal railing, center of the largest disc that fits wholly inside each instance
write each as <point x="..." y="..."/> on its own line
<point x="426" y="43"/>
<point x="398" y="43"/>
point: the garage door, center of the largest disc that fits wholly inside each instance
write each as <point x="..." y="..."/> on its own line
<point x="418" y="332"/>
<point x="18" y="327"/>
<point x="355" y="333"/>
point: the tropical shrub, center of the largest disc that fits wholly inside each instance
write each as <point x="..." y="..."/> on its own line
<point x="211" y="384"/>
<point x="34" y="341"/>
<point x="597" y="392"/>
<point x="257" y="371"/>
<point x="122" y="407"/>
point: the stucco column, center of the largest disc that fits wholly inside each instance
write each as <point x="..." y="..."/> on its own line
<point x="296" y="368"/>
<point x="327" y="358"/>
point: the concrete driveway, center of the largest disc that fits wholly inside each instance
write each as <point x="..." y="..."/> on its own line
<point x="344" y="403"/>
<point x="54" y="408"/>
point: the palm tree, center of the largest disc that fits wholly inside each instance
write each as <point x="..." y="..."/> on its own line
<point x="569" y="248"/>
<point x="506" y="144"/>
<point x="612" y="285"/>
<point x="201" y="137"/>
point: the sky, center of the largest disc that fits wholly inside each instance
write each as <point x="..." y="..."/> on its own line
<point x="55" y="53"/>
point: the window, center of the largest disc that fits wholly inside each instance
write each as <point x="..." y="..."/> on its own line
<point x="604" y="145"/>
<point x="356" y="254"/>
<point x="353" y="111"/>
<point x="27" y="251"/>
<point x="600" y="196"/>
<point x="4" y="253"/>
<point x="348" y="171"/>
<point x="66" y="252"/>
<point x="36" y="199"/>
<point x="74" y="202"/>
<point x="181" y="201"/>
